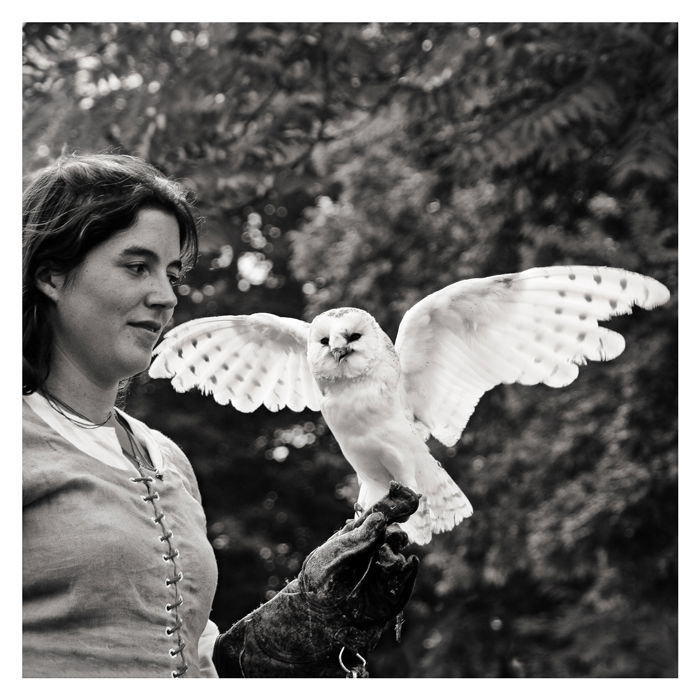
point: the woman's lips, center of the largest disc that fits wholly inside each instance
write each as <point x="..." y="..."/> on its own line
<point x="150" y="326"/>
<point x="147" y="332"/>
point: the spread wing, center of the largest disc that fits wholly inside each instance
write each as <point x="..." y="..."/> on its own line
<point x="530" y="327"/>
<point x="247" y="361"/>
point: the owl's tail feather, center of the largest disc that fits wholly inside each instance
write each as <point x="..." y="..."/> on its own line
<point x="441" y="507"/>
<point x="418" y="526"/>
<point x="445" y="501"/>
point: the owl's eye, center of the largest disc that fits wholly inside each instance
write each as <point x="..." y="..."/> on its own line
<point x="324" y="341"/>
<point x="354" y="336"/>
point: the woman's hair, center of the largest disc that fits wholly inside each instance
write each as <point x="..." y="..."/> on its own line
<point x="68" y="209"/>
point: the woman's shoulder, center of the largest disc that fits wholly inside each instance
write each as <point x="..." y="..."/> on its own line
<point x="47" y="457"/>
<point x="31" y="423"/>
<point x="36" y="433"/>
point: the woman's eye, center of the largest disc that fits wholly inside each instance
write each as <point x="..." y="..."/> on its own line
<point x="138" y="268"/>
<point x="324" y="341"/>
<point x="354" y="336"/>
<point x="174" y="280"/>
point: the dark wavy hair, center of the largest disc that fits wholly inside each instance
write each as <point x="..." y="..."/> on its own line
<point x="68" y="209"/>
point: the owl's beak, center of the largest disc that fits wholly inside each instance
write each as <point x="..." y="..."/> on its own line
<point x="340" y="353"/>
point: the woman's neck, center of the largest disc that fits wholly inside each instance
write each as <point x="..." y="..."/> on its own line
<point x="82" y="393"/>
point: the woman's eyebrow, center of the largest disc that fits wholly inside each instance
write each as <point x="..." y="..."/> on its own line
<point x="149" y="254"/>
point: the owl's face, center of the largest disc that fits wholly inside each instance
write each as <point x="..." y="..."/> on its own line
<point x="343" y="344"/>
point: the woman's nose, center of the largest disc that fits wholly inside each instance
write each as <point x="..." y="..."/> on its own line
<point x="162" y="294"/>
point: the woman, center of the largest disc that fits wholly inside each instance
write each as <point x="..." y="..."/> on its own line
<point x="118" y="574"/>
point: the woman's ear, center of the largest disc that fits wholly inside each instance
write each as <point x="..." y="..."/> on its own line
<point x="49" y="282"/>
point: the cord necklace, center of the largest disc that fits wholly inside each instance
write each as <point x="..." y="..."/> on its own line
<point x="137" y="454"/>
<point x="61" y="407"/>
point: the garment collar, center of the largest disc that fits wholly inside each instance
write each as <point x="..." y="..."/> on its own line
<point x="100" y="443"/>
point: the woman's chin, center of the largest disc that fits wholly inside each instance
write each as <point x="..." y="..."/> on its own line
<point x="134" y="364"/>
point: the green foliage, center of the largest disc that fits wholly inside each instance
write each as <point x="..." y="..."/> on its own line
<point x="369" y="165"/>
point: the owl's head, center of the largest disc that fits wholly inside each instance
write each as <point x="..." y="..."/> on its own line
<point x="343" y="343"/>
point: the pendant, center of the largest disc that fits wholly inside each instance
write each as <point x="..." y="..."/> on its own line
<point x="148" y="467"/>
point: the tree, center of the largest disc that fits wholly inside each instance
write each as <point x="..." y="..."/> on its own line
<point x="368" y="165"/>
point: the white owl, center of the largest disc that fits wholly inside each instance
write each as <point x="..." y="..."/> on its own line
<point x="381" y="400"/>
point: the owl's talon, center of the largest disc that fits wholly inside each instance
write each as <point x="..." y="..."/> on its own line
<point x="359" y="510"/>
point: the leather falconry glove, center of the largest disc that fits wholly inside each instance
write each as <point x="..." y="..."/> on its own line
<point x="326" y="621"/>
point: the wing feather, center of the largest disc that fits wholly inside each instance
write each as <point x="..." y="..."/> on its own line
<point x="532" y="327"/>
<point x="247" y="361"/>
<point x="229" y="377"/>
<point x="292" y="397"/>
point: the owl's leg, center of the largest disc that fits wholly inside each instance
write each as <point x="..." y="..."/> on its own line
<point x="361" y="498"/>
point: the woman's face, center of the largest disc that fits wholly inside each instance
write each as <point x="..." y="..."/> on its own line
<point x="111" y="310"/>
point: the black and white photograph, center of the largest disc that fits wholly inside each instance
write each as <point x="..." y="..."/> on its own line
<point x="350" y="350"/>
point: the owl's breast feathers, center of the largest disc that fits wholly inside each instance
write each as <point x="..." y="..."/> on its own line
<point x="358" y="404"/>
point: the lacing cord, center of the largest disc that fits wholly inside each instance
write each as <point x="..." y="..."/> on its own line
<point x="174" y="628"/>
<point x="172" y="580"/>
<point x="175" y="579"/>
<point x="176" y="604"/>
<point x="177" y="649"/>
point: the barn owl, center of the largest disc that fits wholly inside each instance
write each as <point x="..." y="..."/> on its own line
<point x="382" y="401"/>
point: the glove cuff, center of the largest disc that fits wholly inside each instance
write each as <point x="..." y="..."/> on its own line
<point x="292" y="635"/>
<point x="228" y="652"/>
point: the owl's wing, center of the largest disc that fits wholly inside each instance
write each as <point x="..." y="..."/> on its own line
<point x="247" y="361"/>
<point x="530" y="327"/>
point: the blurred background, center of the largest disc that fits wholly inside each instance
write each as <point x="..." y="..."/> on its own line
<point x="368" y="165"/>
